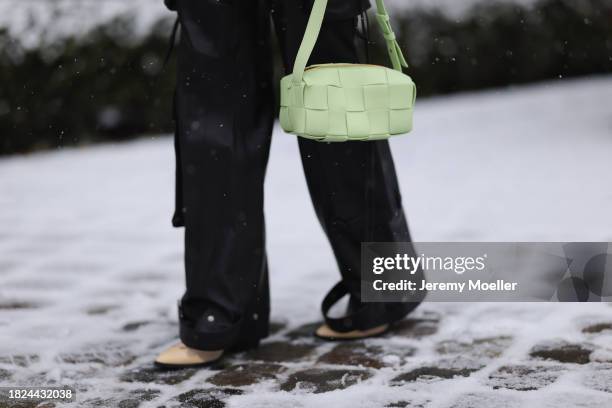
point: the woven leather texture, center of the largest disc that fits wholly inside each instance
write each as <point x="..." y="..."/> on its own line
<point x="342" y="102"/>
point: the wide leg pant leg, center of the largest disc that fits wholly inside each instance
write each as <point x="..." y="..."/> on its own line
<point x="353" y="185"/>
<point x="224" y="113"/>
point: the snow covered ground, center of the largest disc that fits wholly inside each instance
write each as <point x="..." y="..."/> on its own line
<point x="90" y="269"/>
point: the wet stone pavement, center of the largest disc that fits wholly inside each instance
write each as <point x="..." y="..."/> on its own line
<point x="293" y="362"/>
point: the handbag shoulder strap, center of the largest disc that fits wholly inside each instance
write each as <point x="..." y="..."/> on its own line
<point x="314" y="27"/>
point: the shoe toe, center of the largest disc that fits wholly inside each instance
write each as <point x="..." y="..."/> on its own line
<point x="326" y="332"/>
<point x="181" y="355"/>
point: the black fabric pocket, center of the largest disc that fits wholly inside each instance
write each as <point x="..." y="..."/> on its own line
<point x="341" y="9"/>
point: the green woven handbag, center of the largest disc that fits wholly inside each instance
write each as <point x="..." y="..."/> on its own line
<point x="340" y="102"/>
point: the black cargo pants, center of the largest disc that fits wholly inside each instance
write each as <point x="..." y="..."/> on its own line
<point x="224" y="110"/>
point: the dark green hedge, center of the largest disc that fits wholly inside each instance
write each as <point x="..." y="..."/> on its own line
<point x="500" y="44"/>
<point x="95" y="87"/>
<point x="101" y="86"/>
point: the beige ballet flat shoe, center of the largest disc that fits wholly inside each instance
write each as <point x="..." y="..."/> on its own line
<point x="326" y="333"/>
<point x="181" y="356"/>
